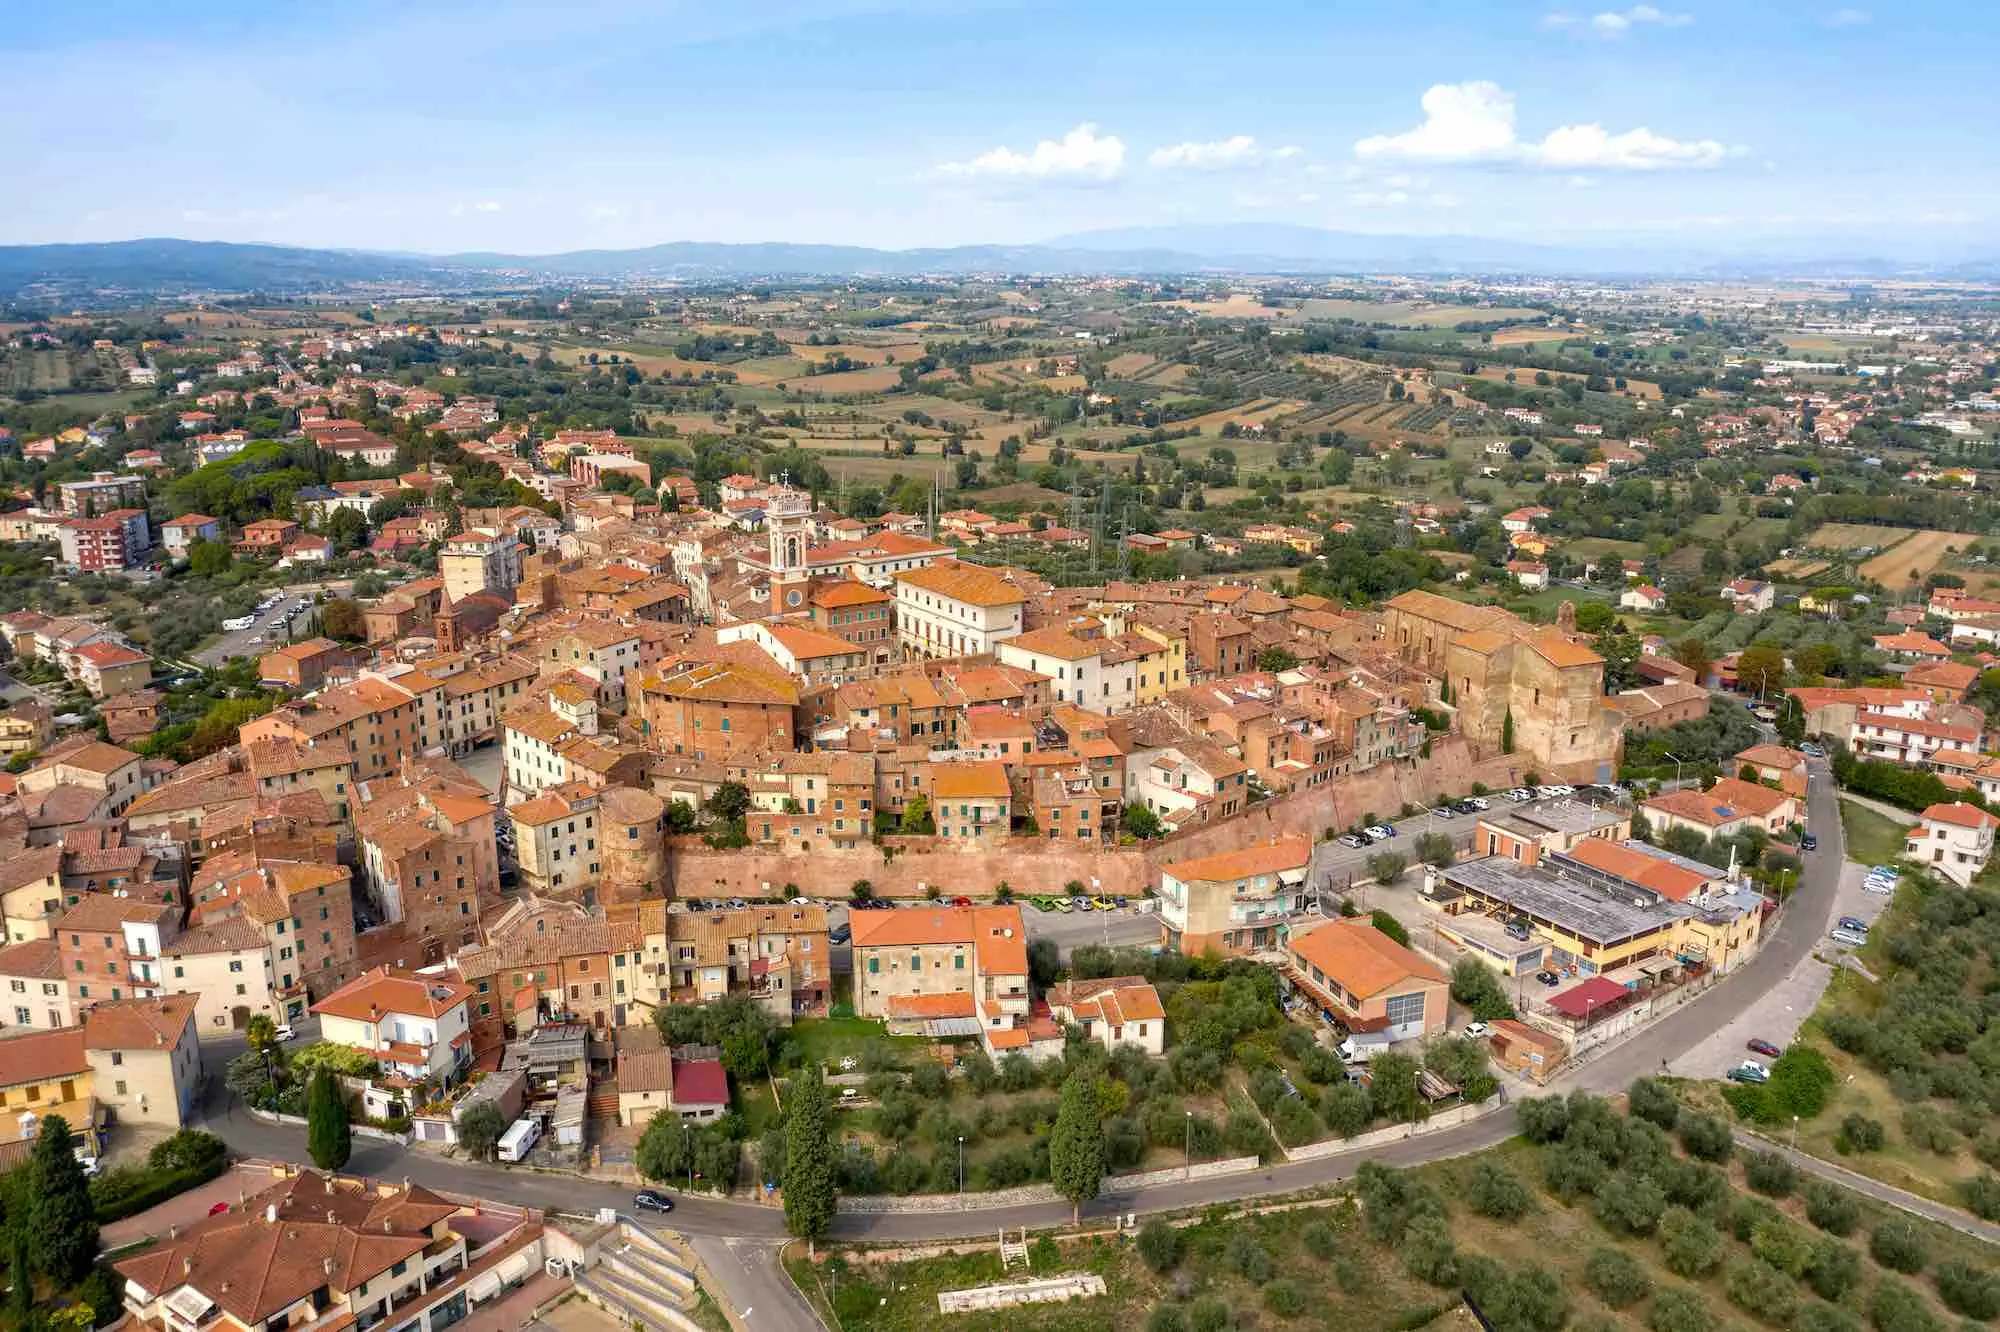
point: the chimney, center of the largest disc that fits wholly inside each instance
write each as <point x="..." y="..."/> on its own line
<point x="187" y="1266"/>
<point x="326" y="1265"/>
<point x="271" y="1213"/>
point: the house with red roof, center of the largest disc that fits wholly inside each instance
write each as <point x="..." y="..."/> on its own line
<point x="1955" y="840"/>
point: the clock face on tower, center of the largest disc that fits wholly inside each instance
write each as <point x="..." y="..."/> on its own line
<point x="793" y="597"/>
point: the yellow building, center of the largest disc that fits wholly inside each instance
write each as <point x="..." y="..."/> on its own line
<point x="918" y="967"/>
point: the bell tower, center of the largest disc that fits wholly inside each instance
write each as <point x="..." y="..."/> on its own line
<point x="788" y="525"/>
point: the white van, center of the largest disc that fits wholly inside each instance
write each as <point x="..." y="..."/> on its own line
<point x="520" y="1136"/>
<point x="1363" y="1046"/>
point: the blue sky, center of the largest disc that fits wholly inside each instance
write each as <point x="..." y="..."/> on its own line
<point x="540" y="126"/>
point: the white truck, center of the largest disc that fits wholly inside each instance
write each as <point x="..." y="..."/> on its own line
<point x="519" y="1137"/>
<point x="1363" y="1046"/>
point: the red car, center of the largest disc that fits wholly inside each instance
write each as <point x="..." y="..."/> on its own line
<point x="961" y="901"/>
<point x="218" y="1209"/>
<point x="1765" y="1048"/>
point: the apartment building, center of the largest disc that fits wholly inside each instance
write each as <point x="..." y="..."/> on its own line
<point x="427" y="850"/>
<point x="305" y="911"/>
<point x="110" y="945"/>
<point x="34" y="993"/>
<point x="1912" y="741"/>
<point x="1729" y="806"/>
<point x="145" y="1062"/>
<point x="115" y="540"/>
<point x="229" y="966"/>
<point x="716" y="709"/>
<point x="970" y="801"/>
<point x="479" y="561"/>
<point x="778" y="955"/>
<point x="939" y="971"/>
<point x="555" y="962"/>
<point x="1235" y="902"/>
<point x="555" y="840"/>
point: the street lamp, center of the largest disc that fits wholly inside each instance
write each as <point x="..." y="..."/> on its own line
<point x="1677" y="769"/>
<point x="1795" y="1132"/>
<point x="687" y="1146"/>
<point x="1188" y="1150"/>
<point x="961" y="1164"/>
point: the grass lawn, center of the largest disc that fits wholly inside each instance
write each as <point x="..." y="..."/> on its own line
<point x="1872" y="839"/>
<point x="828" y="1040"/>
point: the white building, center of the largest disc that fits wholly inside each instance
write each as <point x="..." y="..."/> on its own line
<point x="949" y="609"/>
<point x="1956" y="840"/>
<point x="414" y="1025"/>
<point x="1089" y="672"/>
<point x="1114" y="1011"/>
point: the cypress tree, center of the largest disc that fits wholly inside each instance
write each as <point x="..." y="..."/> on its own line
<point x="329" y="1140"/>
<point x="1076" y="1146"/>
<point x="63" y="1219"/>
<point x="809" y="1159"/>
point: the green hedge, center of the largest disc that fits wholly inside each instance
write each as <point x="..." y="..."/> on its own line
<point x="185" y="1161"/>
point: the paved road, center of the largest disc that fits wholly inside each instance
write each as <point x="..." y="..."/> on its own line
<point x="748" y="1279"/>
<point x="1876" y="1189"/>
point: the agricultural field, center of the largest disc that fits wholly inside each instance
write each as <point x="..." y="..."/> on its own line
<point x="1849" y="536"/>
<point x="875" y="379"/>
<point x="1796" y="569"/>
<point x="1911" y="560"/>
<point x="1416" y="314"/>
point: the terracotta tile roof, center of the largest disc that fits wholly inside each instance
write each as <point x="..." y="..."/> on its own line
<point x="723" y="682"/>
<point x="1282" y="853"/>
<point x="1728" y="800"/>
<point x="1771" y="756"/>
<point x="955" y="1004"/>
<point x="700" y="1082"/>
<point x="32" y="959"/>
<point x="966" y="583"/>
<point x="1664" y="877"/>
<point x="1960" y="814"/>
<point x="808" y="644"/>
<point x="970" y="781"/>
<point x="138" y="1024"/>
<point x="107" y="911"/>
<point x="1113" y="999"/>
<point x="373" y="993"/>
<point x="1051" y="641"/>
<point x="43" y="1055"/>
<point x="998" y="937"/>
<point x="1361" y="959"/>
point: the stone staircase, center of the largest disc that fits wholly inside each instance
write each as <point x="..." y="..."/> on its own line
<point x="644" y="1277"/>
<point x="602" y="1102"/>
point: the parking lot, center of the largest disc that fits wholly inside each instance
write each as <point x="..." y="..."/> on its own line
<point x="1776" y="1015"/>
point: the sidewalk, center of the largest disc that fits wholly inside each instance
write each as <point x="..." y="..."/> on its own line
<point x="1916" y="1204"/>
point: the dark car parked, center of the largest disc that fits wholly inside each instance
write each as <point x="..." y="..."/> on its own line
<point x="648" y="1201"/>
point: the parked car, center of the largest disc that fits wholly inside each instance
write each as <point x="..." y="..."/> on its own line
<point x="1474" y="1031"/>
<point x="961" y="901"/>
<point x="283" y="1031"/>
<point x="1102" y="903"/>
<point x="1353" y="840"/>
<point x="1380" y="832"/>
<point x="1749" y="1071"/>
<point x="1855" y="923"/>
<point x="648" y="1201"/>
<point x="839" y="934"/>
<point x="1812" y="751"/>
<point x="1548" y="978"/>
<point x="1758" y="1045"/>
<point x="1517" y="928"/>
<point x="1445" y="812"/>
<point x="1480" y="803"/>
<point x="218" y="1209"/>
<point x="1520" y="793"/>
<point x="1063" y="904"/>
<point x="1809" y="843"/>
<point x="1851" y="938"/>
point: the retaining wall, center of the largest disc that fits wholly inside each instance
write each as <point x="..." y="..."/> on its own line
<point x="1031" y="1194"/>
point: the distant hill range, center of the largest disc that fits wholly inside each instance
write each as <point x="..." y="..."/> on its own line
<point x="172" y="267"/>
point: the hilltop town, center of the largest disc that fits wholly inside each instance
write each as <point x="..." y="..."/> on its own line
<point x="584" y="704"/>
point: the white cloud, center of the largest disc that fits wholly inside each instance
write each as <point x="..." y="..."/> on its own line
<point x="486" y="206"/>
<point x="1239" y="150"/>
<point x="1474" y="122"/>
<point x="1463" y="122"/>
<point x="1847" y="18"/>
<point x="1081" y="153"/>
<point x="1617" y="22"/>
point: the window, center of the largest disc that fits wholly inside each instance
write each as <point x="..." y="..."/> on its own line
<point x="1404" y="1009"/>
<point x="117" y="1058"/>
<point x="874" y="966"/>
<point x="121" y="1086"/>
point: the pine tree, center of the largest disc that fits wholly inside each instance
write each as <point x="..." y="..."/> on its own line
<point x="1507" y="732"/>
<point x="809" y="1159"/>
<point x="329" y="1139"/>
<point x="63" y="1220"/>
<point x="20" y="1276"/>
<point x="1076" y="1146"/>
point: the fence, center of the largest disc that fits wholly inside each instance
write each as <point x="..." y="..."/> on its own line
<point x="1029" y="1195"/>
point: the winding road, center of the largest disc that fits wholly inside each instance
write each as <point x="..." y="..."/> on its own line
<point x="739" y="1241"/>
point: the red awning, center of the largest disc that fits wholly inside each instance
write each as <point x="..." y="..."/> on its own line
<point x="1587" y="997"/>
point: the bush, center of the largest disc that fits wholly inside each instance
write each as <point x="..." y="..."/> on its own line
<point x="1572" y="1171"/>
<point x="1679" y="1311"/>
<point x="1346" y="1109"/>
<point x="1321" y="1240"/>
<point x="1770" y="1174"/>
<point x="1897" y="1307"/>
<point x="1479" y="988"/>
<point x="1616" y="1277"/>
<point x="1816" y="1317"/>
<point x="1982" y="1195"/>
<point x="1705" y="1137"/>
<point x="1543" y="1118"/>
<point x="1690" y="1245"/>
<point x="1858" y="1133"/>
<point x="1895" y="1243"/>
<point x="1630" y="1204"/>
<point x="1428" y="1252"/>
<point x="1652" y="1100"/>
<point x="1285" y="1299"/>
<point x="1251" y="1260"/>
<point x="1833" y="1270"/>
<point x="1971" y="1291"/>
<point x="1832" y="1208"/>
<point x="1782" y="1245"/>
<point x="1531" y="1299"/>
<point x="1166" y="1318"/>
<point x="1761" y="1291"/>
<point x="187" y="1160"/>
<point x="1159" y="1245"/>
<point x="1210" y="1313"/>
<point x="1493" y="1190"/>
<point x="1925" y="1127"/>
